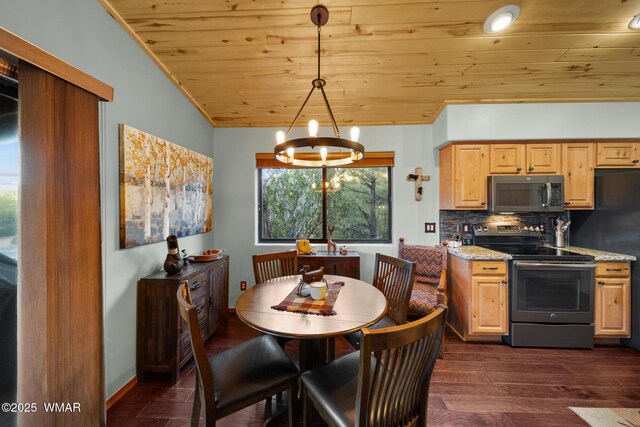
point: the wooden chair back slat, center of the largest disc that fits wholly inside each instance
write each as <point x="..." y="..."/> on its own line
<point x="273" y="265"/>
<point x="394" y="391"/>
<point x="394" y="277"/>
<point x="205" y="382"/>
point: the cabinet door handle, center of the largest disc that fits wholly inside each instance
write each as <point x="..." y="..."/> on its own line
<point x="530" y="168"/>
<point x="636" y="161"/>
<point x="483" y="203"/>
<point x="567" y="203"/>
<point x="614" y="269"/>
<point x="518" y="169"/>
<point x="195" y="286"/>
<point x="504" y="282"/>
<point x="600" y="282"/>
<point x="489" y="268"/>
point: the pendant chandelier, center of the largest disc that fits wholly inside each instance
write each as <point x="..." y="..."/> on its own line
<point x="334" y="151"/>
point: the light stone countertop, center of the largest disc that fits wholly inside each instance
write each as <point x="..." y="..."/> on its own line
<point x="476" y="252"/>
<point x="599" y="255"/>
<point x="479" y="253"/>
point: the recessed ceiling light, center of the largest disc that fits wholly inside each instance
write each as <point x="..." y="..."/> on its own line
<point x="501" y="19"/>
<point x="634" y="24"/>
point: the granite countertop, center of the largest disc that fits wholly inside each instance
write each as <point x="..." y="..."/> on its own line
<point x="476" y="252"/>
<point x="599" y="255"/>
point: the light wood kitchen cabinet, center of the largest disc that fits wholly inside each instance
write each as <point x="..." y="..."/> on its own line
<point x="463" y="176"/>
<point x="542" y="159"/>
<point x="506" y="159"/>
<point x="479" y="299"/>
<point x="618" y="154"/>
<point x="578" y="170"/>
<point x="613" y="300"/>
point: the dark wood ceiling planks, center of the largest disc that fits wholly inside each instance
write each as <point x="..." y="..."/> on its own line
<point x="251" y="62"/>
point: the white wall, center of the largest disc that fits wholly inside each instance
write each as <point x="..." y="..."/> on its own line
<point x="236" y="182"/>
<point x="82" y="33"/>
<point x="587" y="120"/>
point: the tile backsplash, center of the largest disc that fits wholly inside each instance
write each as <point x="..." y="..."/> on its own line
<point x="450" y="220"/>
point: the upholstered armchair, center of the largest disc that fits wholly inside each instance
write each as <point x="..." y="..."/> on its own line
<point x="430" y="287"/>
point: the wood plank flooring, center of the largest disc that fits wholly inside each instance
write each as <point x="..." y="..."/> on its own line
<point x="476" y="384"/>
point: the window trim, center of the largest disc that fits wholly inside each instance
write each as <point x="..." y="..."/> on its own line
<point x="371" y="159"/>
<point x="323" y="239"/>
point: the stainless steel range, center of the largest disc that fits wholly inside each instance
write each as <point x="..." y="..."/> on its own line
<point x="551" y="291"/>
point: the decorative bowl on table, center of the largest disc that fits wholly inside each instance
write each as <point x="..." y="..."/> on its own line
<point x="207" y="255"/>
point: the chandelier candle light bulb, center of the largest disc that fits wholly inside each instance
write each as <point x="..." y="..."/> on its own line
<point x="313" y="128"/>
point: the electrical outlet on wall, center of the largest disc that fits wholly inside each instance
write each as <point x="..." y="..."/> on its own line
<point x="243" y="285"/>
<point x="429" y="227"/>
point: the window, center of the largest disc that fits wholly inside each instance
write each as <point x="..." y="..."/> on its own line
<point x="300" y="203"/>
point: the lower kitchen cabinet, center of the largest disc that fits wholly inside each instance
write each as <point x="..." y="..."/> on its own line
<point x="163" y="345"/>
<point x="478" y="299"/>
<point x="613" y="300"/>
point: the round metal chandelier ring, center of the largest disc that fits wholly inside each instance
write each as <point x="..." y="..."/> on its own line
<point x="355" y="153"/>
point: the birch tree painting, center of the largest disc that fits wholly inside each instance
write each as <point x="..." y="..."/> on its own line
<point x="164" y="189"/>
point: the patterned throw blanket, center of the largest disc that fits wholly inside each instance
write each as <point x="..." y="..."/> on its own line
<point x="308" y="305"/>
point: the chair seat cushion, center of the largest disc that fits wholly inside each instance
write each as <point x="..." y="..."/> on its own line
<point x="355" y="337"/>
<point x="333" y="387"/>
<point x="424" y="299"/>
<point x="249" y="368"/>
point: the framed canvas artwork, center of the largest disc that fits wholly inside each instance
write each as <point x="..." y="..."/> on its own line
<point x="165" y="189"/>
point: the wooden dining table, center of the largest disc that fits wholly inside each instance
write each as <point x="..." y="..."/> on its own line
<point x="359" y="304"/>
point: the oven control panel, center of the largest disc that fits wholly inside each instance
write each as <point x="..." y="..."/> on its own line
<point x="510" y="229"/>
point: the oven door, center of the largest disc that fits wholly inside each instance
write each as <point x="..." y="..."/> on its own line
<point x="552" y="292"/>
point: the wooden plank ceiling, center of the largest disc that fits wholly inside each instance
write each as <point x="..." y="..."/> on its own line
<point x="251" y="62"/>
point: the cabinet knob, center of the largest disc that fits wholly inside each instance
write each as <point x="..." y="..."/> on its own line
<point x="504" y="282"/>
<point x="483" y="203"/>
<point x="518" y="169"/>
<point x="567" y="203"/>
<point x="530" y="168"/>
<point x="600" y="282"/>
<point x="636" y="161"/>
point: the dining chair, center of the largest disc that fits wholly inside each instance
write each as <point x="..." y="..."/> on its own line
<point x="393" y="277"/>
<point x="238" y="377"/>
<point x="273" y="265"/>
<point x="386" y="383"/>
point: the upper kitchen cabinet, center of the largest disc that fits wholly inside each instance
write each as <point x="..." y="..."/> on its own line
<point x="463" y="176"/>
<point x="542" y="159"/>
<point x="506" y="159"/>
<point x="577" y="168"/>
<point x="618" y="154"/>
<point x="522" y="158"/>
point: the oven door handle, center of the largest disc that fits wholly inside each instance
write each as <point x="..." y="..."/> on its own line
<point x="526" y="264"/>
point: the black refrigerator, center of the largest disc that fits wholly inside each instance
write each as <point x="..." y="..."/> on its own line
<point x="614" y="226"/>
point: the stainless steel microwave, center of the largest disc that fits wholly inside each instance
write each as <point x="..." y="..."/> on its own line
<point x="540" y="193"/>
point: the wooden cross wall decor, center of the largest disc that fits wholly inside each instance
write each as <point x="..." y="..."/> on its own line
<point x="418" y="178"/>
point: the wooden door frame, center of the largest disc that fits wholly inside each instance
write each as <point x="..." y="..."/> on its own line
<point x="60" y="326"/>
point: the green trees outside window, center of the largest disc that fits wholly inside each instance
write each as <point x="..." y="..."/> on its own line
<point x="300" y="203"/>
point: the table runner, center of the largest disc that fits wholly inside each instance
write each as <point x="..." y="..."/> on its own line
<point x="297" y="304"/>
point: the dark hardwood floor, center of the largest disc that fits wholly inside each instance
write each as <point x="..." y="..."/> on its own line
<point x="474" y="385"/>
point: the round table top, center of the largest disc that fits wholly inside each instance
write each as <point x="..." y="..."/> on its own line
<point x="359" y="305"/>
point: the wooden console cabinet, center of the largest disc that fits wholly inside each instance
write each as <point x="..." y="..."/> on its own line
<point x="163" y="345"/>
<point x="342" y="265"/>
